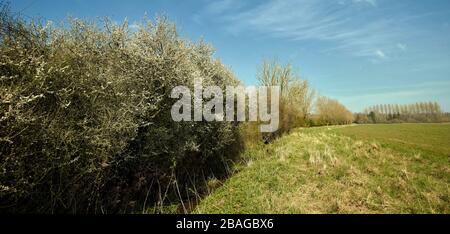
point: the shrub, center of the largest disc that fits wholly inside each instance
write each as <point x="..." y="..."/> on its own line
<point x="296" y="96"/>
<point x="331" y="112"/>
<point x="85" y="121"/>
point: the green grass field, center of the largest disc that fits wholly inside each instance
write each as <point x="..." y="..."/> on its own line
<point x="401" y="168"/>
<point x="434" y="138"/>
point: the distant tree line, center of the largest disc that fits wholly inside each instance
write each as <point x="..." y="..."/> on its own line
<point x="420" y="112"/>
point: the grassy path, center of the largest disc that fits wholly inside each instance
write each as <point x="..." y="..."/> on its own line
<point x="341" y="170"/>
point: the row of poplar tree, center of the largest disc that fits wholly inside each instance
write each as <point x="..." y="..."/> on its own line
<point x="415" y="112"/>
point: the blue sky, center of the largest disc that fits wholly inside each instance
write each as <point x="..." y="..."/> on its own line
<point x="361" y="52"/>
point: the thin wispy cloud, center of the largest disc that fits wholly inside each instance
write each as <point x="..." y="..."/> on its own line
<point x="380" y="54"/>
<point x="338" y="22"/>
<point x="401" y="46"/>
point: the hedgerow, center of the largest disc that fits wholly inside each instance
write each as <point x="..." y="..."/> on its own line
<point x="85" y="121"/>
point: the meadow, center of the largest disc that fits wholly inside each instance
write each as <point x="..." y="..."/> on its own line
<point x="396" y="168"/>
<point x="433" y="138"/>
